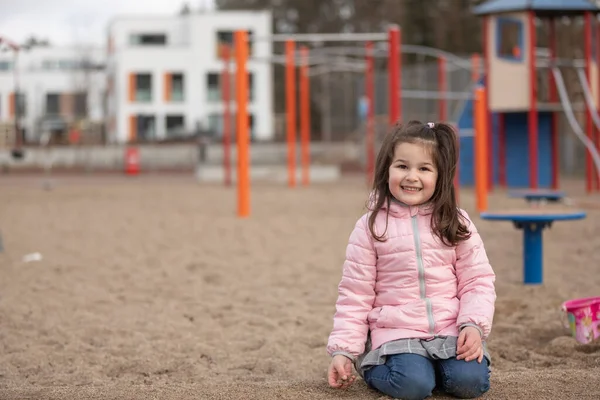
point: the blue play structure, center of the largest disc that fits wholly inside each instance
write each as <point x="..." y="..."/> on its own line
<point x="513" y="97"/>
<point x="516" y="148"/>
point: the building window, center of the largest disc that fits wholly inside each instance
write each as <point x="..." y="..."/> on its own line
<point x="146" y="127"/>
<point x="49" y="65"/>
<point x="80" y="104"/>
<point x="142" y="90"/>
<point x="213" y="85"/>
<point x="148" y="39"/>
<point x="52" y="103"/>
<point x="215" y="126"/>
<point x="175" y="125"/>
<point x="250" y="86"/>
<point x="5" y="65"/>
<point x="215" y="91"/>
<point x="175" y="87"/>
<point x="68" y="65"/>
<point x="225" y="39"/>
<point x="17" y="105"/>
<point x="509" y="41"/>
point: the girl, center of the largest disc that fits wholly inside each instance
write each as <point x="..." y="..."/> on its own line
<point x="416" y="298"/>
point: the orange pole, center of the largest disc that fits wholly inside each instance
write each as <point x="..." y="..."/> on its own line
<point x="243" y="165"/>
<point x="290" y="91"/>
<point x="305" y="116"/>
<point x="481" y="149"/>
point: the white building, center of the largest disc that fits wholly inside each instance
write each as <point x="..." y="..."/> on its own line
<point x="164" y="74"/>
<point x="60" y="88"/>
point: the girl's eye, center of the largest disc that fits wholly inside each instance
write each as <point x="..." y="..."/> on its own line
<point x="402" y="166"/>
<point x="424" y="169"/>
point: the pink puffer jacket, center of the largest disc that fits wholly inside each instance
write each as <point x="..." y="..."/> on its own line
<point x="410" y="286"/>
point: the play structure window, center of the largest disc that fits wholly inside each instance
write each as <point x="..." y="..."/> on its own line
<point x="510" y="39"/>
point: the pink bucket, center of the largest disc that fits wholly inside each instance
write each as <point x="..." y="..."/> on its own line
<point x="583" y="318"/>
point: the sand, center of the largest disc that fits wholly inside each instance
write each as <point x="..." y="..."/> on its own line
<point x="151" y="288"/>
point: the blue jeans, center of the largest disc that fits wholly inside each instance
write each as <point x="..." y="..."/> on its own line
<point x="414" y="377"/>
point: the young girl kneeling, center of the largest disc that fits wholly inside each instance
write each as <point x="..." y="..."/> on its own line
<point x="416" y="298"/>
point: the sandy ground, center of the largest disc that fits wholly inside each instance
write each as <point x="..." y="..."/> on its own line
<point x="152" y="288"/>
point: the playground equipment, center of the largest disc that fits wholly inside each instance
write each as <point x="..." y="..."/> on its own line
<point x="522" y="124"/>
<point x="532" y="222"/>
<point x="539" y="196"/>
<point x="386" y="46"/>
<point x="242" y="122"/>
<point x="526" y="127"/>
<point x="583" y="318"/>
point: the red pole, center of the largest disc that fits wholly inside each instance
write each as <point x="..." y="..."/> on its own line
<point x="589" y="173"/>
<point x="443" y="88"/>
<point x="394" y="74"/>
<point x="305" y="116"/>
<point x="226" y="93"/>
<point x="597" y="140"/>
<point x="533" y="111"/>
<point x="554" y="100"/>
<point x="290" y="90"/>
<point x="370" y="94"/>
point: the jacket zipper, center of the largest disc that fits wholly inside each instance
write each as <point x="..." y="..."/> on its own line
<point x="421" y="269"/>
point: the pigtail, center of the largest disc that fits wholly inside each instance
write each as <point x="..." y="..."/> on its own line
<point x="446" y="221"/>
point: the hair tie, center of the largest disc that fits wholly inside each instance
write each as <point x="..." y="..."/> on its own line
<point x="430" y="124"/>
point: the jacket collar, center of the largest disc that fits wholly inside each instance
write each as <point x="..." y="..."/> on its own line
<point x="400" y="209"/>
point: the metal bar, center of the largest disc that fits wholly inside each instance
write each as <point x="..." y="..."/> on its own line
<point x="436" y="95"/>
<point x="559" y="62"/>
<point x="324" y="37"/>
<point x="323" y="69"/>
<point x="568" y="109"/>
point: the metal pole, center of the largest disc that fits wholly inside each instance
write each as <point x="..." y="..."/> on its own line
<point x="290" y="102"/>
<point x="326" y="108"/>
<point x="226" y="93"/>
<point x="370" y="95"/>
<point x="324" y="37"/>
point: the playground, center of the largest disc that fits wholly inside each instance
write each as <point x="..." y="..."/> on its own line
<point x="220" y="282"/>
<point x="153" y="288"/>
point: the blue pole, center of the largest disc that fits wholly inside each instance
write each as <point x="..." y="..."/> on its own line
<point x="533" y="253"/>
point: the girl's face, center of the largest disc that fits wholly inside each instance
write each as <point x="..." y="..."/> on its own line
<point x="412" y="173"/>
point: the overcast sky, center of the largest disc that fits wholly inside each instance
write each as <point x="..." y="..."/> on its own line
<point x="65" y="22"/>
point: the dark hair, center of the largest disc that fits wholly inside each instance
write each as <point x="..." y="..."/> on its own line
<point x="445" y="221"/>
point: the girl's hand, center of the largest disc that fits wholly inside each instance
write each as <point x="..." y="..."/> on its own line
<point x="469" y="346"/>
<point x="339" y="373"/>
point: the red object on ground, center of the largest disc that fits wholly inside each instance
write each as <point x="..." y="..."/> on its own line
<point x="132" y="161"/>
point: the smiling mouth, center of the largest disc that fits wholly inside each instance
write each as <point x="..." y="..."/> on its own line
<point x="410" y="189"/>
